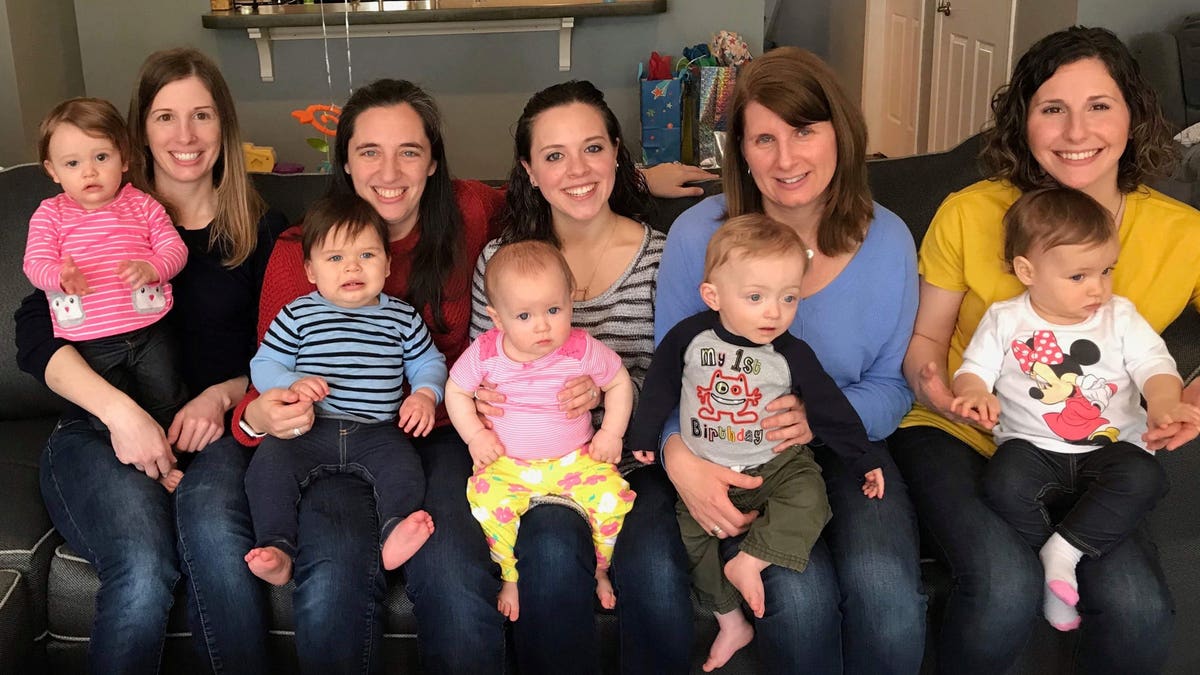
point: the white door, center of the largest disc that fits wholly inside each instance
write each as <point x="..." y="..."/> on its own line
<point x="972" y="57"/>
<point x="892" y="75"/>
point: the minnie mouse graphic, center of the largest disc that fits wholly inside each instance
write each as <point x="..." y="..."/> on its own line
<point x="1059" y="378"/>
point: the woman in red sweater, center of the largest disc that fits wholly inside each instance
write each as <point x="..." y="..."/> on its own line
<point x="392" y="153"/>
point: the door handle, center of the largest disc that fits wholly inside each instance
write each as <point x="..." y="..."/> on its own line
<point x="944" y="8"/>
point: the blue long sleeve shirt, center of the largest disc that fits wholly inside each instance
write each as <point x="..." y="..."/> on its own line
<point x="859" y="325"/>
<point x="365" y="355"/>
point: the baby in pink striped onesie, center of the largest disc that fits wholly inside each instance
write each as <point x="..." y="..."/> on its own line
<point x="103" y="254"/>
<point x="533" y="450"/>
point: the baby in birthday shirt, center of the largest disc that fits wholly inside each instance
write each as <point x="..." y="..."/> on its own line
<point x="721" y="368"/>
<point x="533" y="450"/>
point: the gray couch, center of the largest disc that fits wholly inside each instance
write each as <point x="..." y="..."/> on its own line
<point x="1170" y="60"/>
<point x="46" y="601"/>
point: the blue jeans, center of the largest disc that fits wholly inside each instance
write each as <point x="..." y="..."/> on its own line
<point x="557" y="586"/>
<point x="135" y="555"/>
<point x="379" y="453"/>
<point x="339" y="579"/>
<point x="998" y="582"/>
<point x="227" y="604"/>
<point x="452" y="580"/>
<point x="1106" y="493"/>
<point x="144" y="364"/>
<point x="858" y="607"/>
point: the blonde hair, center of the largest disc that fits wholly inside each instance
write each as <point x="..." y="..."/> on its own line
<point x="754" y="235"/>
<point x="525" y="257"/>
<point x="234" y="231"/>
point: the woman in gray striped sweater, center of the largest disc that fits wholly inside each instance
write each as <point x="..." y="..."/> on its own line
<point x="574" y="184"/>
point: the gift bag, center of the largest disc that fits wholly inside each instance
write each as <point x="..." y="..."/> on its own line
<point x="661" y="111"/>
<point x="716" y="90"/>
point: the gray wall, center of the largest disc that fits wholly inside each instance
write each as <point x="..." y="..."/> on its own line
<point x="1039" y="18"/>
<point x="1127" y="18"/>
<point x="804" y="23"/>
<point x="39" y="66"/>
<point x="481" y="82"/>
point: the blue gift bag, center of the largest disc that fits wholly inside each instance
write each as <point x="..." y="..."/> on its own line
<point x="661" y="111"/>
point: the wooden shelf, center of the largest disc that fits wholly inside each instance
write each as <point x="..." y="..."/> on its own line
<point x="394" y="18"/>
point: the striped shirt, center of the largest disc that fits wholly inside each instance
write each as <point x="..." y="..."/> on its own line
<point x="133" y="227"/>
<point x="365" y="354"/>
<point x="532" y="426"/>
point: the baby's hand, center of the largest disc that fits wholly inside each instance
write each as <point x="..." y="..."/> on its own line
<point x="981" y="407"/>
<point x="71" y="278"/>
<point x="606" y="447"/>
<point x="644" y="456"/>
<point x="417" y="413"/>
<point x="1185" y="413"/>
<point x="136" y="273"/>
<point x="485" y="447"/>
<point x="873" y="484"/>
<point x="311" y="388"/>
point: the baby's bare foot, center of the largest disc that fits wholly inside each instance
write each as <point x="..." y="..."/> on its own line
<point x="270" y="564"/>
<point x="507" y="601"/>
<point x="604" y="589"/>
<point x="734" y="633"/>
<point x="745" y="573"/>
<point x="406" y="539"/>
<point x="170" y="480"/>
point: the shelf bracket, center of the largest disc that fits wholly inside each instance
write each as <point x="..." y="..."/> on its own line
<point x="263" y="37"/>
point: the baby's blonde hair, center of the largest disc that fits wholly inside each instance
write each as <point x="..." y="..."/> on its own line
<point x="524" y="257"/>
<point x="754" y="235"/>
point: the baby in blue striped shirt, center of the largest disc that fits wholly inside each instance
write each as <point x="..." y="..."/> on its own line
<point x="349" y="348"/>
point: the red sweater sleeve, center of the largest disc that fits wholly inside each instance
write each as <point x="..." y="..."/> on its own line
<point x="283" y="282"/>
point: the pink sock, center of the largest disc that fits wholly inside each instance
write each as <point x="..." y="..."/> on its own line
<point x="1059" y="560"/>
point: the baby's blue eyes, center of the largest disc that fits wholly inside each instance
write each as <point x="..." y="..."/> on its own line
<point x="755" y="297"/>
<point x="553" y="310"/>
<point x="523" y="316"/>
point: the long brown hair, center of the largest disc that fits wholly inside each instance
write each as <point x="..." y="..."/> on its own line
<point x="234" y="231"/>
<point x="797" y="85"/>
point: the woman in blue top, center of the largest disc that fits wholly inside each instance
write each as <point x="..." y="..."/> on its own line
<point x="795" y="151"/>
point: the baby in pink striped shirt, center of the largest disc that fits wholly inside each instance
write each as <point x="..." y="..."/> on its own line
<point x="103" y="254"/>
<point x="533" y="450"/>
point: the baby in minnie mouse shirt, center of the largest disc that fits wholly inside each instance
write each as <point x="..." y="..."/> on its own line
<point x="1068" y="361"/>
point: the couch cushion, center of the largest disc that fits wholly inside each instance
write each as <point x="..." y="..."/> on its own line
<point x="27" y="538"/>
<point x="16" y="630"/>
<point x="22" y="188"/>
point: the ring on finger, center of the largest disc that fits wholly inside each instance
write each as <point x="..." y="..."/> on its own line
<point x="296" y="432"/>
<point x="594" y="394"/>
<point x="715" y="531"/>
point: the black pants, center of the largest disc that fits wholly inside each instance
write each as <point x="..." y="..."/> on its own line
<point x="1102" y="495"/>
<point x="379" y="453"/>
<point x="142" y="363"/>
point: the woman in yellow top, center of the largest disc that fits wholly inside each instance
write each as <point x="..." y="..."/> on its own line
<point x="1078" y="114"/>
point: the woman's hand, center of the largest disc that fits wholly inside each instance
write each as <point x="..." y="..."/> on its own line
<point x="281" y="413"/>
<point x="139" y="441"/>
<point x="933" y="391"/>
<point x="198" y="423"/>
<point x="667" y="180"/>
<point x="788" y="424"/>
<point x="578" y="396"/>
<point x="704" y="489"/>
<point x="487" y="403"/>
<point x="1176" y="434"/>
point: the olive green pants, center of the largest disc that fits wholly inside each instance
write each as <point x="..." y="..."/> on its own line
<point x="793" y="509"/>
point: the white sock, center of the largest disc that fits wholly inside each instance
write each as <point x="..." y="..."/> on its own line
<point x="1059" y="559"/>
<point x="1060" y="615"/>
